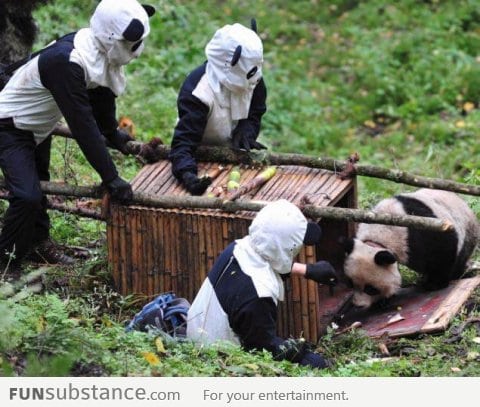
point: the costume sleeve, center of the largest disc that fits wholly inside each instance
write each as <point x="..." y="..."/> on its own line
<point x="102" y="100"/>
<point x="192" y="120"/>
<point x="66" y="82"/>
<point x="258" y="107"/>
<point x="256" y="325"/>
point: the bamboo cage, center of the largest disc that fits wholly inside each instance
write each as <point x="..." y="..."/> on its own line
<point x="157" y="250"/>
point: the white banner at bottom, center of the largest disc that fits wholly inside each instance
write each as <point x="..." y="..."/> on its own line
<point x="237" y="392"/>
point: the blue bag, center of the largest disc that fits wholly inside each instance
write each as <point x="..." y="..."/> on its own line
<point x="166" y="313"/>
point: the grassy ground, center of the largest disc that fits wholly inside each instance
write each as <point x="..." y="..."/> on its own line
<point x="398" y="82"/>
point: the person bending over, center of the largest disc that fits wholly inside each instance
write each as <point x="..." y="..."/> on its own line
<point x="221" y="102"/>
<point x="77" y="77"/>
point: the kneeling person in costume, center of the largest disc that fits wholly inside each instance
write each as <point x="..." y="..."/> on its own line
<point x="238" y="300"/>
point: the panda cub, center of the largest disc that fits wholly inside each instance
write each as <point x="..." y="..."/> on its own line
<point x="372" y="256"/>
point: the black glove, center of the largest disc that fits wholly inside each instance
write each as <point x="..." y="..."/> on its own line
<point x="118" y="140"/>
<point x="322" y="272"/>
<point x="195" y="185"/>
<point x="292" y="349"/>
<point x="245" y="141"/>
<point x="120" y="190"/>
<point x="315" y="360"/>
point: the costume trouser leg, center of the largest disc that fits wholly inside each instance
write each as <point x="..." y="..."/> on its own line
<point x="42" y="160"/>
<point x="19" y="165"/>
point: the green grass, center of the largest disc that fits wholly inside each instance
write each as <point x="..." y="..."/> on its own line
<point x="389" y="80"/>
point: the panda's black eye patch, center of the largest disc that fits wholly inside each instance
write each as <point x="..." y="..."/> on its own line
<point x="136" y="45"/>
<point x="252" y="72"/>
<point x="371" y="290"/>
<point x="134" y="31"/>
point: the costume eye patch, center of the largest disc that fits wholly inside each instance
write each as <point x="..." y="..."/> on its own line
<point x="371" y="290"/>
<point x="136" y="45"/>
<point x="252" y="72"/>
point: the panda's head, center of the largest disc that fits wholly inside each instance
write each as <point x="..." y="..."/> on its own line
<point x="371" y="270"/>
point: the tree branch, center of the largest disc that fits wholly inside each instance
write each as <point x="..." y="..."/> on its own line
<point x="195" y="202"/>
<point x="227" y="155"/>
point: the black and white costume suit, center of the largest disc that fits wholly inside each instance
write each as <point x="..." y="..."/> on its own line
<point x="74" y="78"/>
<point x="221" y="102"/>
<point x="238" y="300"/>
<point x="203" y="121"/>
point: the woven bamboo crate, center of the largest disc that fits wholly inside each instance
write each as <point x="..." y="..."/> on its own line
<point x="156" y="250"/>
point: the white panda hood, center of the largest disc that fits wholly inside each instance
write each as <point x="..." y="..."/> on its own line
<point x="233" y="79"/>
<point x="275" y="237"/>
<point x="102" y="49"/>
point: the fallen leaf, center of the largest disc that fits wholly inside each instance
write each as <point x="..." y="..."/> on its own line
<point x="126" y="124"/>
<point x="159" y="345"/>
<point x="251" y="366"/>
<point x="472" y="355"/>
<point x="41" y="324"/>
<point x="151" y="358"/>
<point x="455" y="369"/>
<point x="468" y="107"/>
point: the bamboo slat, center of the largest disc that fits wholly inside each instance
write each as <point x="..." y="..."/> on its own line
<point x="163" y="251"/>
<point x="124" y="237"/>
<point x="156" y="247"/>
<point x="148" y="250"/>
<point x="112" y="247"/>
<point x="134" y="255"/>
<point x="172" y="254"/>
<point x="190" y="267"/>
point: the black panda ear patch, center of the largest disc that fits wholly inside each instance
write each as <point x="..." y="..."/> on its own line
<point x="347" y="244"/>
<point x="384" y="258"/>
<point x="253" y="25"/>
<point x="149" y="9"/>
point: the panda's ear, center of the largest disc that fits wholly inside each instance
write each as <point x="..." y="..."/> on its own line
<point x="384" y="258"/>
<point x="347" y="244"/>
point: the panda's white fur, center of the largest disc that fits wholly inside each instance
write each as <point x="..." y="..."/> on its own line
<point x="371" y="256"/>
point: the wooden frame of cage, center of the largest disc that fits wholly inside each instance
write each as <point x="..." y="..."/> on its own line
<point x="157" y="250"/>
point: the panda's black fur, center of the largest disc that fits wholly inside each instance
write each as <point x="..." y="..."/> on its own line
<point x="429" y="251"/>
<point x="439" y="257"/>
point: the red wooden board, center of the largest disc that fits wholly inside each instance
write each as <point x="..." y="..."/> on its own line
<point x="422" y="311"/>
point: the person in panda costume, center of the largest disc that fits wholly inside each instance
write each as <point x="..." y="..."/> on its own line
<point x="238" y="300"/>
<point x="220" y="103"/>
<point x="77" y="77"/>
<point x="372" y="257"/>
